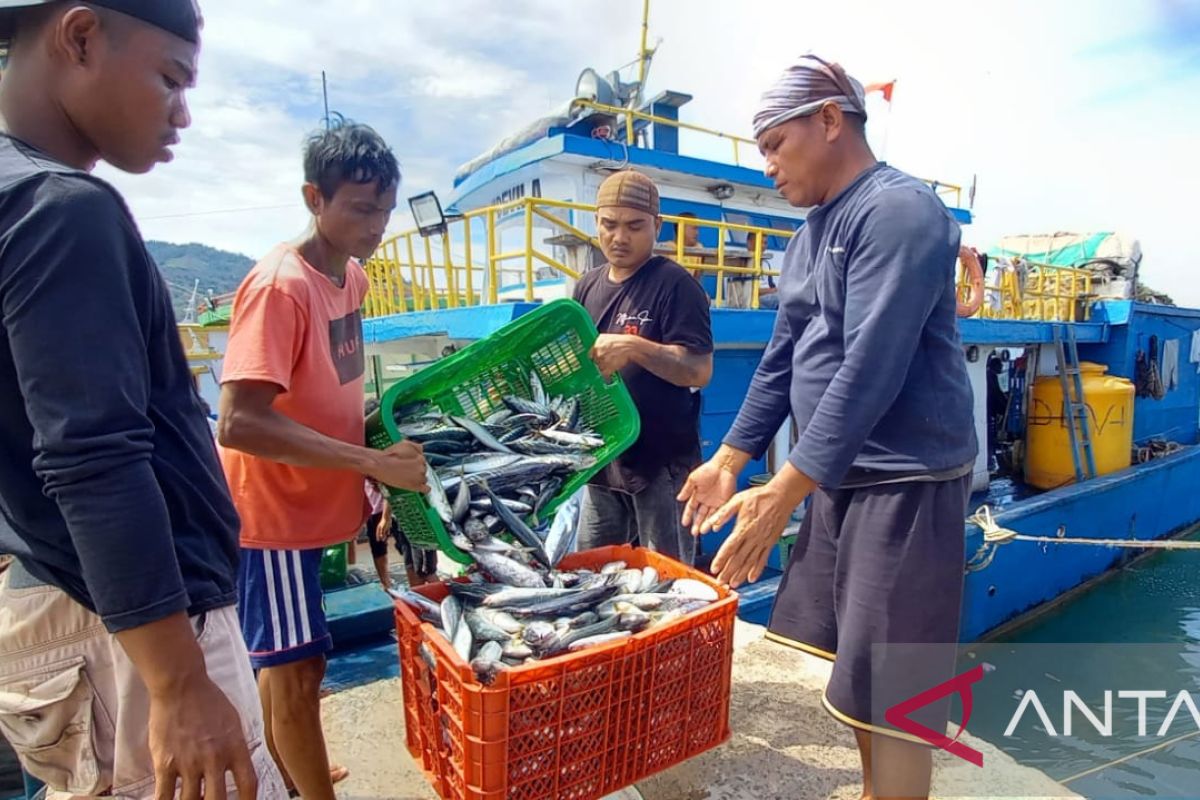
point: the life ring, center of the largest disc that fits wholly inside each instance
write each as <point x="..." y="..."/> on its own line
<point x="970" y="262"/>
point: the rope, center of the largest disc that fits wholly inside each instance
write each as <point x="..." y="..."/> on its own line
<point x="1130" y="757"/>
<point x="993" y="534"/>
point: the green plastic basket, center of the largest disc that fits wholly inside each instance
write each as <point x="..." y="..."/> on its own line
<point x="554" y="341"/>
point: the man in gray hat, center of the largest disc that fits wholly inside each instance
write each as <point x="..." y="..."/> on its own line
<point x="867" y="358"/>
<point x="122" y="666"/>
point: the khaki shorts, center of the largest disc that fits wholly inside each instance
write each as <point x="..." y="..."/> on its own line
<point x="75" y="711"/>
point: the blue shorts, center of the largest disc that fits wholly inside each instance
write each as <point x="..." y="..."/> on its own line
<point x="281" y="606"/>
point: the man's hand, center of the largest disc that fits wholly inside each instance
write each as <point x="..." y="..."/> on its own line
<point x="762" y="515"/>
<point x="401" y="466"/>
<point x="195" y="733"/>
<point x="708" y="488"/>
<point x="384" y="527"/>
<point x="195" y="738"/>
<point x="612" y="352"/>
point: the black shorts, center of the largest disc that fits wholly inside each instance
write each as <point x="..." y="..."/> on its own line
<point x="417" y="559"/>
<point x="872" y="568"/>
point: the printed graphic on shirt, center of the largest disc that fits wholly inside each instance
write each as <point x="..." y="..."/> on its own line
<point x="633" y="324"/>
<point x="346" y="346"/>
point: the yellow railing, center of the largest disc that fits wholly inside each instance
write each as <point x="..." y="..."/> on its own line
<point x="467" y="265"/>
<point x="1032" y="291"/>
<point x="630" y="122"/>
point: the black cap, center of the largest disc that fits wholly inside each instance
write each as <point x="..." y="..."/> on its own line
<point x="180" y="17"/>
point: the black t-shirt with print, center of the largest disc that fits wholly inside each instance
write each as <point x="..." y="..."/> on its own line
<point x="663" y="303"/>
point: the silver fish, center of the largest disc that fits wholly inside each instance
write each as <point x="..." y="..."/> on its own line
<point x="496" y="417"/>
<point x="508" y="571"/>
<point x="603" y="638"/>
<point x="489" y="463"/>
<point x="649" y="579"/>
<point x="517" y="650"/>
<point x="487" y="663"/>
<point x="462" y="504"/>
<point x="428" y="610"/>
<point x="646" y="602"/>
<point x="476" y="530"/>
<point x="517" y="527"/>
<point x="505" y="622"/>
<point x="629" y="580"/>
<point x="613" y="567"/>
<point x="451" y="611"/>
<point x="694" y="590"/>
<point x="437" y="495"/>
<point x="522" y="406"/>
<point x="537" y="389"/>
<point x="463" y="641"/>
<point x="486" y="504"/>
<point x="539" y="635"/>
<point x="481" y="434"/>
<point x="483" y="630"/>
<point x="512" y="597"/>
<point x="579" y="440"/>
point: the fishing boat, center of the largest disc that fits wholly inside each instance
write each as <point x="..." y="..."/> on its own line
<point x="1087" y="398"/>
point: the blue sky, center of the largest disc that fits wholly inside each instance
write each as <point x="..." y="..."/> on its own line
<point x="1073" y="115"/>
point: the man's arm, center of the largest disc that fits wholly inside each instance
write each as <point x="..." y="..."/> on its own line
<point x="248" y="422"/>
<point x="70" y="276"/>
<point x="672" y="362"/>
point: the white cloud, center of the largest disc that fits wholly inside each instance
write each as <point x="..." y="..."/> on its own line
<point x="1074" y="115"/>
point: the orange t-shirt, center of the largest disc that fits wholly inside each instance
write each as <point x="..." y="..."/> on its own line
<point x="292" y="326"/>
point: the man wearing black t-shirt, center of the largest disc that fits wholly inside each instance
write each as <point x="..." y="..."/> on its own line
<point x="122" y="668"/>
<point x="655" y="331"/>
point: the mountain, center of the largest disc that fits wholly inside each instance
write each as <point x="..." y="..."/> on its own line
<point x="217" y="271"/>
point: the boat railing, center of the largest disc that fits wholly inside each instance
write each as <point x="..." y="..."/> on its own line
<point x="1017" y="289"/>
<point x="628" y="121"/>
<point x="469" y="262"/>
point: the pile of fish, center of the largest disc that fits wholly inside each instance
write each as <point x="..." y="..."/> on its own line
<point x="508" y="613"/>
<point x="516" y="459"/>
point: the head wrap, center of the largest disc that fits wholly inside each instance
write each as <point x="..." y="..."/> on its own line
<point x="804" y="88"/>
<point x="180" y="17"/>
<point x="628" y="189"/>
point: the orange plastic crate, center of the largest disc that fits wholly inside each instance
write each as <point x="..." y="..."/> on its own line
<point x="577" y="726"/>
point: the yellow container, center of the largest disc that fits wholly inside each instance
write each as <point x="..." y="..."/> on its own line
<point x="1109" y="399"/>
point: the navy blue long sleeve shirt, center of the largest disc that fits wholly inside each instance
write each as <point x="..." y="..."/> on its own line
<point x="110" y="487"/>
<point x="866" y="352"/>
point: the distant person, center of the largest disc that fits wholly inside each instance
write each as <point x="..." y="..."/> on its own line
<point x="291" y="430"/>
<point x="691" y="241"/>
<point x="120" y="653"/>
<point x="656" y="332"/>
<point x="739" y="288"/>
<point x="420" y="564"/>
<point x="867" y="358"/>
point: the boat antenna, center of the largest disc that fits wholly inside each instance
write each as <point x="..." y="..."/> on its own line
<point x="325" y="96"/>
<point x="645" y="56"/>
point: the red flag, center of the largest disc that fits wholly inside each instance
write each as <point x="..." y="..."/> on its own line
<point x="884" y="88"/>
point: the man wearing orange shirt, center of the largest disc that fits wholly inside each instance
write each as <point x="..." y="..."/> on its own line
<point x="291" y="433"/>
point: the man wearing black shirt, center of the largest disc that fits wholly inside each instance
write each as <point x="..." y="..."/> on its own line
<point x="655" y="331"/>
<point x="122" y="668"/>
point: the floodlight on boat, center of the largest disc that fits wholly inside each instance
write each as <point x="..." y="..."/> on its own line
<point x="427" y="213"/>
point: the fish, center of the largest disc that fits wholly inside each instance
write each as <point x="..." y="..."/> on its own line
<point x="437" y="495"/>
<point x="517" y="527"/>
<point x="629" y="580"/>
<point x="581" y="441"/>
<point x="537" y="390"/>
<point x="483" y="630"/>
<point x="694" y="590"/>
<point x="498" y="416"/>
<point x="511" y="597"/>
<point x="409" y="410"/>
<point x="594" y="641"/>
<point x="463" y="641"/>
<point x="507" y="570"/>
<point x="649" y="579"/>
<point x="517" y="650"/>
<point x="486" y="504"/>
<point x="476" y="529"/>
<point x="522" y="406"/>
<point x="577" y="601"/>
<point x="487" y="662"/>
<point x="481" y="434"/>
<point x="502" y="620"/>
<point x="426" y="609"/>
<point x="539" y="635"/>
<point x="613" y="567"/>
<point x="462" y="504"/>
<point x="451" y="613"/>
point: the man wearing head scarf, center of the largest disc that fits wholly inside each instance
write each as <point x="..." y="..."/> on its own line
<point x="867" y="358"/>
<point x="122" y="667"/>
<point x="656" y="333"/>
